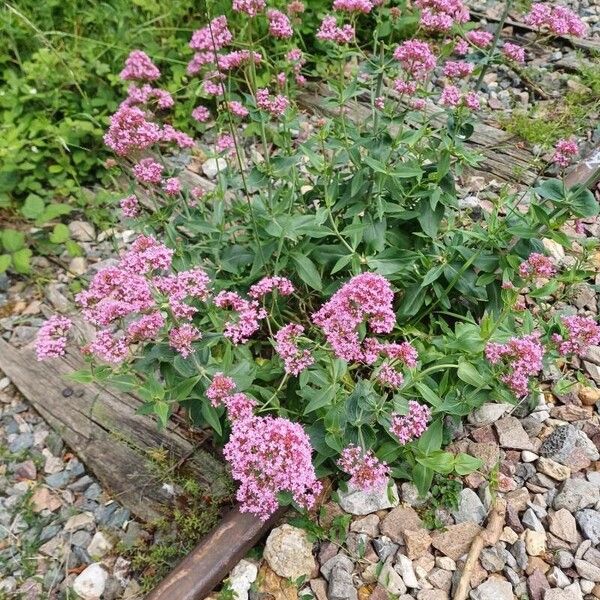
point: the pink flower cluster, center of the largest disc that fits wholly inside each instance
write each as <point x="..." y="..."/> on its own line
<point x="564" y="151"/>
<point x="201" y="114"/>
<point x="138" y="66"/>
<point x="537" y="265"/>
<point x="520" y="357"/>
<point x="556" y="19"/>
<point x="514" y="52"/>
<point x="51" y="341"/>
<point x="481" y="39"/>
<point x="412" y="425"/>
<point x="269" y="284"/>
<point x="582" y="332"/>
<point x="330" y="31"/>
<point x="130" y="131"/>
<point x="353" y="6"/>
<point x="186" y="285"/>
<point x="458" y="69"/>
<point x="366" y="297"/>
<point x="267" y="456"/>
<point x="295" y="359"/>
<point x="279" y="24"/>
<point x="181" y="338"/>
<point x="146" y="93"/>
<point x="148" y="171"/>
<point x="130" y="206"/>
<point x="275" y="105"/>
<point x="237" y="109"/>
<point x="441" y="15"/>
<point x="172" y="186"/>
<point x="452" y="97"/>
<point x="416" y="58"/>
<point x="250" y="7"/>
<point x="297" y="59"/>
<point x="367" y="472"/>
<point x="213" y="37"/>
<point x="249" y="315"/>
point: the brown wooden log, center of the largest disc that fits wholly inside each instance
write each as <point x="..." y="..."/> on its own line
<point x="586" y="172"/>
<point x="214" y="557"/>
<point x="104" y="429"/>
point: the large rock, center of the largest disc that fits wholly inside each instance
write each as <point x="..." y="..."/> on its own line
<point x="488" y="414"/>
<point x="359" y="502"/>
<point x="456" y="539"/>
<point x="90" y="583"/>
<point x="288" y="552"/>
<point x="569" y="446"/>
<point x="399" y="520"/>
<point x="512" y="435"/>
<point x="470" y="508"/>
<point x="589" y="523"/>
<point x="562" y="524"/>
<point x="493" y="588"/>
<point x="576" y="494"/>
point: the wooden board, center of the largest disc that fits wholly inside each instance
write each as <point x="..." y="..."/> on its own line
<point x="103" y="428"/>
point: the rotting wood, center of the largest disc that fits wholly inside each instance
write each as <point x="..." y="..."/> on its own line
<point x="103" y="428"/>
<point x="205" y="566"/>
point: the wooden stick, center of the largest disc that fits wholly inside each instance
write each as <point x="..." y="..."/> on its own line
<point x="488" y="537"/>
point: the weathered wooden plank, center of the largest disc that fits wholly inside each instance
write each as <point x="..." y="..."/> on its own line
<point x="106" y="432"/>
<point x="205" y="566"/>
<point x="585" y="172"/>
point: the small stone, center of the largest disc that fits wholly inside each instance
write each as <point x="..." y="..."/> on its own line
<point x="528" y="456"/>
<point x="338" y="561"/>
<point x="456" y="540"/>
<point x="23" y="441"/>
<point x="81" y="521"/>
<point x="399" y="520"/>
<point x="78" y="265"/>
<point x="512" y="435"/>
<point x="368" y="525"/>
<point x="568" y="445"/>
<point x="58" y="480"/>
<point x="558" y="594"/>
<point x="589" y="395"/>
<point x="564" y="559"/>
<point x="288" y="552"/>
<point x="405" y="569"/>
<point x="508" y="536"/>
<point x="488" y="453"/>
<point x="270" y="585"/>
<point x="391" y="580"/>
<point x="90" y="583"/>
<point x="417" y="543"/>
<point x="531" y="520"/>
<point x="432" y="595"/>
<point x="384" y="547"/>
<point x="589" y="523"/>
<point x="535" y="542"/>
<point x="488" y="414"/>
<point x="537" y="585"/>
<point x="446" y="563"/>
<point x="587" y="570"/>
<point x="44" y="499"/>
<point x="441" y="579"/>
<point x="410" y="495"/>
<point x="213" y="166"/>
<point x="359" y="502"/>
<point x="99" y="546"/>
<point x="562" y="524"/>
<point x="53" y="464"/>
<point x="470" y="508"/>
<point x="25" y="471"/>
<point x="492" y="560"/>
<point x="556" y="578"/>
<point x="554" y="249"/>
<point x="241" y="578"/>
<point x="82" y="231"/>
<point x="319" y="588"/>
<point x="553" y="469"/>
<point x="493" y="588"/>
<point x="576" y="494"/>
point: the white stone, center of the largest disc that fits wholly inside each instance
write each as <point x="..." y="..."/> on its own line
<point x="554" y="249"/>
<point x="405" y="569"/>
<point x="528" y="457"/>
<point x="90" y="583"/>
<point x="78" y="265"/>
<point x="391" y="581"/>
<point x="493" y="588"/>
<point x="488" y="414"/>
<point x="359" y="502"/>
<point x="82" y="231"/>
<point x="83" y="520"/>
<point x="289" y="552"/>
<point x="213" y="166"/>
<point x="99" y="546"/>
<point x="241" y="578"/>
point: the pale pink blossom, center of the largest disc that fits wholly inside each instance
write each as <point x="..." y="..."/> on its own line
<point x="412" y="425"/>
<point x="51" y="341"/>
<point x="367" y="472"/>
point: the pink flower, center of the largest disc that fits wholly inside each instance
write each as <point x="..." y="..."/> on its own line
<point x="389" y="377"/>
<point x="520" y="358"/>
<point x="366" y="297"/>
<point x="279" y="24"/>
<point x="412" y="425"/>
<point x="405" y="87"/>
<point x="249" y="315"/>
<point x="172" y="186"/>
<point x="564" y="151"/>
<point x="582" y="333"/>
<point x="201" y="114"/>
<point x="461" y="47"/>
<point x="233" y="60"/>
<point x="267" y="456"/>
<point x="143" y="95"/>
<point x="146" y="328"/>
<point x="199" y="60"/>
<point x="250" y="7"/>
<point x="170" y="134"/>
<point x="537" y="265"/>
<point x="181" y="338"/>
<point x="557" y="19"/>
<point x="481" y="39"/>
<point x="441" y="15"/>
<point x="275" y="105"/>
<point x="148" y="171"/>
<point x="108" y="348"/>
<point x="213" y="37"/>
<point x="514" y="52"/>
<point x="329" y="31"/>
<point x="416" y="58"/>
<point x="451" y="96"/>
<point x="471" y="101"/>
<point x="130" y="206"/>
<point x="379" y="103"/>
<point x="212" y="85"/>
<point x="361" y="6"/>
<point x="237" y="108"/>
<point x="51" y="341"/>
<point x="219" y="388"/>
<point x="225" y="143"/>
<point x="458" y="69"/>
<point x="238" y="406"/>
<point x="268" y="284"/>
<point x="186" y="285"/>
<point x="367" y="472"/>
<point x="295" y="359"/>
<point x="146" y="254"/>
<point x="130" y="131"/>
<point x="139" y="66"/>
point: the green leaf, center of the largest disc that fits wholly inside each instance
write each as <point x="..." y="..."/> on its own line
<point x="469" y="374"/>
<point x="440" y="462"/>
<point x="5" y="261"/>
<point x="465" y="464"/>
<point x="60" y="234"/>
<point x="431" y="440"/>
<point x="551" y="189"/>
<point x="583" y="202"/>
<point x="422" y="478"/>
<point x="52" y="211"/>
<point x="21" y="260"/>
<point x="212" y="416"/>
<point x="161" y="410"/>
<point x="428" y="394"/>
<point x="12" y="240"/>
<point x="307" y="271"/>
<point x="33" y="207"/>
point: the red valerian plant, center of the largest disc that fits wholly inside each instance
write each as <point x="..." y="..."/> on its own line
<point x="325" y="304"/>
